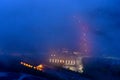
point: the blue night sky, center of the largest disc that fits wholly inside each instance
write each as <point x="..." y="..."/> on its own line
<point x="33" y="26"/>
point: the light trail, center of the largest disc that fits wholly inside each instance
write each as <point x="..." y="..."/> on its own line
<point x="39" y="67"/>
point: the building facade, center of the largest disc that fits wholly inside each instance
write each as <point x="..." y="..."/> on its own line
<point x="67" y="59"/>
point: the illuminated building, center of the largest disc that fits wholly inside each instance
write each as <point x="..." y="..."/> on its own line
<point x="73" y="60"/>
<point x="66" y="59"/>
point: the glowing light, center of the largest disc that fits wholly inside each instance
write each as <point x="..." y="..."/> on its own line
<point x="63" y="61"/>
<point x="50" y="60"/>
<point x="81" y="68"/>
<point x="72" y="62"/>
<point x="68" y="61"/>
<point x="34" y="67"/>
<point x="39" y="67"/>
<point x="53" y="60"/>
<point x="57" y="60"/>
<point x="60" y="61"/>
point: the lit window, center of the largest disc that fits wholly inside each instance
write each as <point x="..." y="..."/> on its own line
<point x="63" y="61"/>
<point x="53" y="60"/>
<point x="50" y="60"/>
<point x="60" y="61"/>
<point x="66" y="61"/>
<point x="71" y="62"/>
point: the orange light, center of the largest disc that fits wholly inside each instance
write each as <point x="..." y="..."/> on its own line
<point x="40" y="66"/>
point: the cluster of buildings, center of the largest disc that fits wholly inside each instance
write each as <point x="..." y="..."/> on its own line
<point x="66" y="59"/>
